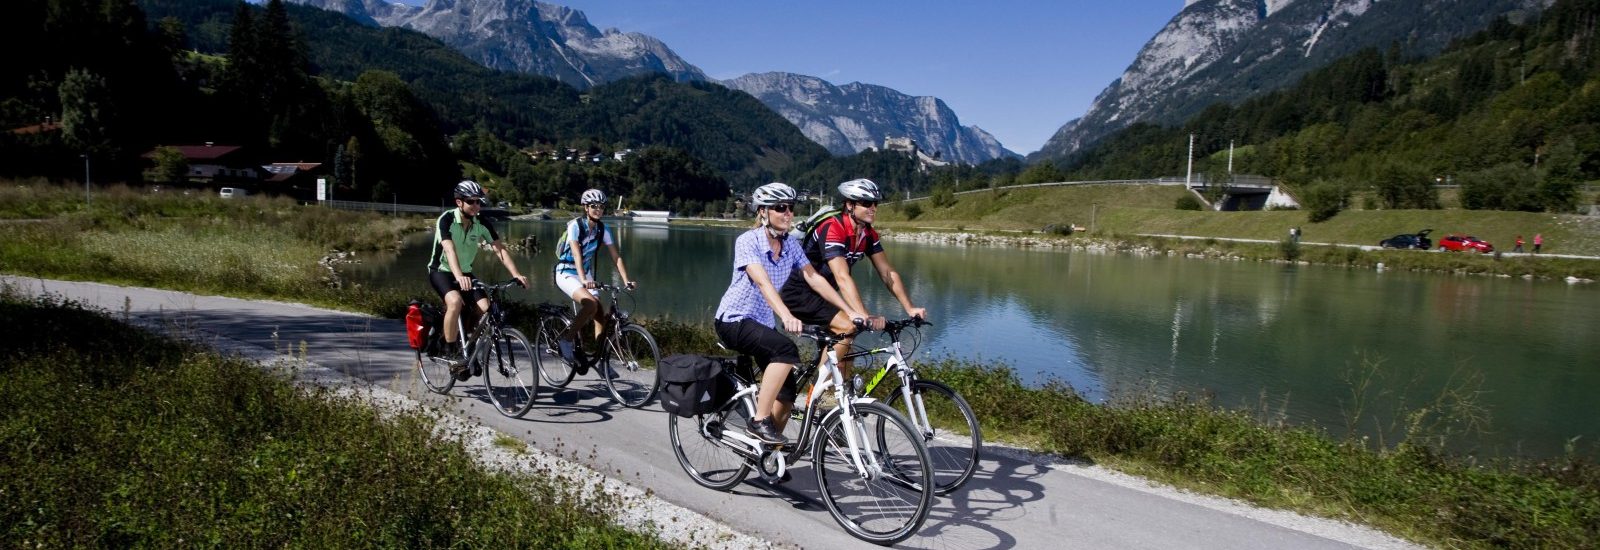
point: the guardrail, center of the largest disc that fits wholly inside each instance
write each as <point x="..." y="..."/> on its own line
<point x="1150" y="181"/>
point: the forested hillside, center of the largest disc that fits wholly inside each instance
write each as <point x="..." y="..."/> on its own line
<point x="1512" y="114"/>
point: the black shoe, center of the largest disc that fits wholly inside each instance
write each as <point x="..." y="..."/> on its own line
<point x="456" y="357"/>
<point x="764" y="431"/>
<point x="580" y="360"/>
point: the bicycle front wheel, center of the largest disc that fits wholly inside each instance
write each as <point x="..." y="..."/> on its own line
<point x="631" y="366"/>
<point x="434" y="370"/>
<point x="881" y="493"/>
<point x="705" y="456"/>
<point x="557" y="372"/>
<point x="949" y="430"/>
<point x="509" y="374"/>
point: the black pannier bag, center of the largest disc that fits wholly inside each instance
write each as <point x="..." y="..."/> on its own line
<point x="693" y="384"/>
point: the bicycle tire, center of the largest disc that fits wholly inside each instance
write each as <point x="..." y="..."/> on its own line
<point x="696" y="441"/>
<point x="435" y="372"/>
<point x="894" y="500"/>
<point x="508" y="374"/>
<point x="631" y="366"/>
<point x="555" y="370"/>
<point x="953" y="445"/>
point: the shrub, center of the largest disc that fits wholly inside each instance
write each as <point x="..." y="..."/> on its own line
<point x="1187" y="202"/>
<point x="1058" y="229"/>
<point x="911" y="210"/>
<point x="1324" y="200"/>
<point x="942" y="197"/>
<point x="1289" y="249"/>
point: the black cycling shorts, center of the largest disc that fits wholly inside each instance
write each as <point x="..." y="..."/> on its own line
<point x="443" y="282"/>
<point x="805" y="304"/>
<point x="764" y="343"/>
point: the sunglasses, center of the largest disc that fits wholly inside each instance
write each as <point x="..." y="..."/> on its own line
<point x="596" y="205"/>
<point x="781" y="208"/>
<point x="868" y="204"/>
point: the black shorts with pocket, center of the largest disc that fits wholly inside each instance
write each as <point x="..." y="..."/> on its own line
<point x="443" y="282"/>
<point x="805" y="304"/>
<point x="764" y="343"/>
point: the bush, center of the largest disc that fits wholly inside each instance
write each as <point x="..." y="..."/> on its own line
<point x="1324" y="200"/>
<point x="911" y="210"/>
<point x="1187" y="202"/>
<point x="1058" y="229"/>
<point x="942" y="197"/>
<point x="1289" y="249"/>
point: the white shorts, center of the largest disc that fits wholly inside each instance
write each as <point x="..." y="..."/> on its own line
<point x="568" y="283"/>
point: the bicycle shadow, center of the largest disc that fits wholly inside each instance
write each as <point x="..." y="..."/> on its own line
<point x="968" y="518"/>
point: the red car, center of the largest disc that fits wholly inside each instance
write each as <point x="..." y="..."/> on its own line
<point x="1465" y="243"/>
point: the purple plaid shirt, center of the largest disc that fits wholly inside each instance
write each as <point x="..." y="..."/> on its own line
<point x="743" y="299"/>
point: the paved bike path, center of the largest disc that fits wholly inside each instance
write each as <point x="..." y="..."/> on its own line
<point x="1016" y="499"/>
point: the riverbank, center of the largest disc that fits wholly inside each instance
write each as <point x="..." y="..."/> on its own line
<point x="1547" y="267"/>
<point x="117" y="437"/>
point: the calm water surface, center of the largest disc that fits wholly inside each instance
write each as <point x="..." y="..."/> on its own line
<point x="1290" y="342"/>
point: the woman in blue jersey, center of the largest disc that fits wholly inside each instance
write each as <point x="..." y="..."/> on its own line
<point x="574" y="271"/>
<point x="457" y="237"/>
<point x="764" y="259"/>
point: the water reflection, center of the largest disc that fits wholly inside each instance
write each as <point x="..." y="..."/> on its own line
<point x="1244" y="332"/>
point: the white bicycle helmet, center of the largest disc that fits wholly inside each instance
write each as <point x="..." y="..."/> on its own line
<point x="469" y="189"/>
<point x="860" y="190"/>
<point x="593" y="196"/>
<point x="772" y="193"/>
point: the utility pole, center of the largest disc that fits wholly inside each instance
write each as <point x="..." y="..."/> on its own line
<point x="85" y="179"/>
<point x="1230" y="159"/>
<point x="1188" y="176"/>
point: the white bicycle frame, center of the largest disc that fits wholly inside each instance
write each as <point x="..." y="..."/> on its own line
<point x="916" y="411"/>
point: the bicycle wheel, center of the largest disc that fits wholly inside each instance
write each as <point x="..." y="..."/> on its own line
<point x="951" y="432"/>
<point x="434" y="370"/>
<point x="557" y="372"/>
<point x="697" y="442"/>
<point x="630" y="366"/>
<point x="508" y="374"/>
<point x="887" y="502"/>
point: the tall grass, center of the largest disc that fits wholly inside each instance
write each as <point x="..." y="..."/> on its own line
<point x="113" y="437"/>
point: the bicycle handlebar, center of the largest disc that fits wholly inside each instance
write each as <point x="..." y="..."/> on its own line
<point x="479" y="285"/>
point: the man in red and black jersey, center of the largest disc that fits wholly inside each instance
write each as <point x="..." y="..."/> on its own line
<point x="840" y="242"/>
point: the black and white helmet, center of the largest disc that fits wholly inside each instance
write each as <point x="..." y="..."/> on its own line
<point x="593" y="196"/>
<point x="772" y="193"/>
<point x="860" y="190"/>
<point x="469" y="189"/>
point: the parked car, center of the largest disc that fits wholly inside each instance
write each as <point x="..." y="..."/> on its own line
<point x="1465" y="243"/>
<point x="1418" y="240"/>
<point x="232" y="192"/>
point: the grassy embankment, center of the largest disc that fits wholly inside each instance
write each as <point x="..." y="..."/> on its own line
<point x="1412" y="489"/>
<point x="1119" y="214"/>
<point x="115" y="437"/>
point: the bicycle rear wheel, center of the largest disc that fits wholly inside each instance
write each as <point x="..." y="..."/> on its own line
<point x="951" y="432"/>
<point x="887" y="502"/>
<point x="557" y="372"/>
<point x="508" y="374"/>
<point x="434" y="370"/>
<point x="697" y="442"/>
<point x="631" y="366"/>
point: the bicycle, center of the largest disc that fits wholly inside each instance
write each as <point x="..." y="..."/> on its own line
<point x="878" y="494"/>
<point x="627" y="361"/>
<point x="501" y="354"/>
<point x="934" y="409"/>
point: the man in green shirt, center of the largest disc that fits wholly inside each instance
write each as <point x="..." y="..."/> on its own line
<point x="457" y="237"/>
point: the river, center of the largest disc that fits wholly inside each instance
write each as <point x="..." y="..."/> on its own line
<point x="1292" y="343"/>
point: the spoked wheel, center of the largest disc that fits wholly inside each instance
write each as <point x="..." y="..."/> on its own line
<point x="555" y="371"/>
<point x="950" y="431"/>
<point x="697" y="441"/>
<point x="631" y="366"/>
<point x="509" y="374"/>
<point x="434" y="370"/>
<point x="887" y="499"/>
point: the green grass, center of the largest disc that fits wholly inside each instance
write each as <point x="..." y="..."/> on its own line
<point x="1148" y="209"/>
<point x="113" y="437"/>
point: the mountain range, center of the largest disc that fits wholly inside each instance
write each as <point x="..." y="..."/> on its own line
<point x="1228" y="50"/>
<point x="558" y="42"/>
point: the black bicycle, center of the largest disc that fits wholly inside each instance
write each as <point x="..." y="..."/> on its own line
<point x="628" y="359"/>
<point x="499" y="353"/>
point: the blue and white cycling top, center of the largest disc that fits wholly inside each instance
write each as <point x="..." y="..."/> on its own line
<point x="589" y="241"/>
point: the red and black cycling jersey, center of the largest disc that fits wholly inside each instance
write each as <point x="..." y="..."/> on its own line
<point x="841" y="236"/>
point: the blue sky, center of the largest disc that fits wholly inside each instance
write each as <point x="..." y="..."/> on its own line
<point x="1016" y="68"/>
